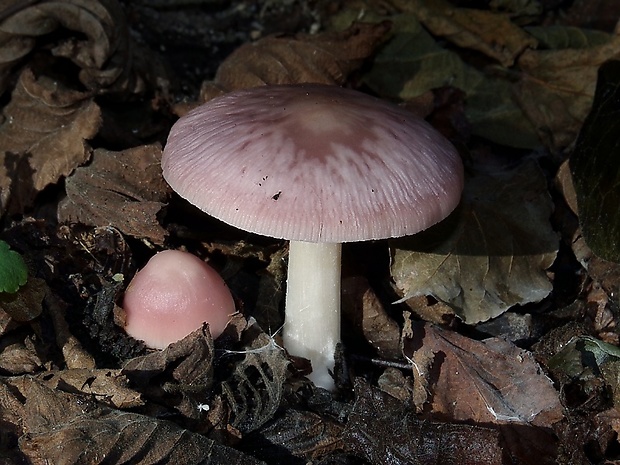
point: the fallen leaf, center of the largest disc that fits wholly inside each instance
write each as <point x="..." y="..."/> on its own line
<point x="95" y="37"/>
<point x="491" y="253"/>
<point x="595" y="167"/>
<point x="52" y="426"/>
<point x="295" y="433"/>
<point x="586" y="361"/>
<point x="556" y="88"/>
<point x="121" y="189"/>
<point x="382" y="429"/>
<point x="412" y="62"/>
<point x="485" y="31"/>
<point x="106" y="386"/>
<point x="255" y="389"/>
<point x="489" y="382"/>
<point x="43" y="136"/>
<point x="363" y="308"/>
<point x="325" y="58"/>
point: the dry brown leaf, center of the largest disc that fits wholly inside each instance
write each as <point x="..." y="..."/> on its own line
<point x="556" y="89"/>
<point x="490" y="33"/>
<point x="106" y="386"/>
<point x="18" y="355"/>
<point x="361" y="306"/>
<point x="51" y="426"/>
<point x="491" y="381"/>
<point x="43" y="136"/>
<point x="325" y="58"/>
<point x="300" y="433"/>
<point x="186" y="362"/>
<point x="123" y="189"/>
<point x="94" y="36"/>
<point x="382" y="429"/>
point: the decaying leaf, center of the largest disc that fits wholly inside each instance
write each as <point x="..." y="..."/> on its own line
<point x="491" y="381"/>
<point x="381" y="427"/>
<point x="109" y="387"/>
<point x="363" y="308"/>
<point x="51" y="426"/>
<point x="557" y="87"/>
<point x="180" y="376"/>
<point x="121" y="189"/>
<point x="588" y="361"/>
<point x="488" y="32"/>
<point x="295" y="434"/>
<point x="325" y="58"/>
<point x="91" y="33"/>
<point x="43" y="136"/>
<point x="254" y="390"/>
<point x="491" y="253"/>
<point x="595" y="167"/>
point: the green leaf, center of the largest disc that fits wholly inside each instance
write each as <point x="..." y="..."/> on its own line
<point x="595" y="166"/>
<point x="412" y="62"/>
<point x="13" y="271"/>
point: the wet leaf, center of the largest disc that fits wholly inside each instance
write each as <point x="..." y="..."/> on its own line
<point x="381" y="426"/>
<point x="491" y="381"/>
<point x="595" y="167"/>
<point x="13" y="270"/>
<point x="491" y="253"/>
<point x="43" y="136"/>
<point x="325" y="58"/>
<point x="123" y="189"/>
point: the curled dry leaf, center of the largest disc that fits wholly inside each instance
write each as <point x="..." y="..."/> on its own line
<point x="51" y="426"/>
<point x="43" y="136"/>
<point x="361" y="306"/>
<point x="95" y="38"/>
<point x="490" y="33"/>
<point x="491" y="253"/>
<point x="380" y="426"/>
<point x="491" y="381"/>
<point x="106" y="386"/>
<point x="123" y="189"/>
<point x="325" y="58"/>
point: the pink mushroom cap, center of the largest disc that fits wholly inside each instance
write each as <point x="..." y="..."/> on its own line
<point x="313" y="163"/>
<point x="173" y="295"/>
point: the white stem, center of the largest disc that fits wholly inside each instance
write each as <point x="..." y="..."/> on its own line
<point x="312" y="322"/>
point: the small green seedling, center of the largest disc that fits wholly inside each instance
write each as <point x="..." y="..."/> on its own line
<point x="13" y="270"/>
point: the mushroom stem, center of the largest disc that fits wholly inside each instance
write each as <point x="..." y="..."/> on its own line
<point x="312" y="326"/>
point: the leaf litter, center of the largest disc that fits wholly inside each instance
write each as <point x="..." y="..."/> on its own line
<point x="88" y="98"/>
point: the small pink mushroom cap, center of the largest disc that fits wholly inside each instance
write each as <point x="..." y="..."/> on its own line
<point x="173" y="295"/>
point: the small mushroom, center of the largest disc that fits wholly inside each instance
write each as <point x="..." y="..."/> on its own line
<point x="317" y="165"/>
<point x="173" y="295"/>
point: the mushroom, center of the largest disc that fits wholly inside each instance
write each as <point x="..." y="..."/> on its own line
<point x="317" y="165"/>
<point x="173" y="295"/>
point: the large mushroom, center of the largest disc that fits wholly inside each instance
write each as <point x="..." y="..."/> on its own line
<point x="317" y="165"/>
